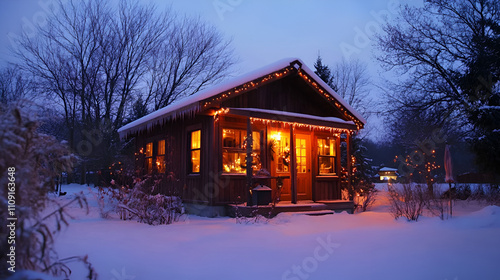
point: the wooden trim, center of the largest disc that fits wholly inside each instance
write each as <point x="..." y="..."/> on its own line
<point x="293" y="165"/>
<point x="349" y="162"/>
<point x="249" y="159"/>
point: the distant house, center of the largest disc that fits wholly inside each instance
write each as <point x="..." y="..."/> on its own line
<point x="387" y="173"/>
<point x="296" y="122"/>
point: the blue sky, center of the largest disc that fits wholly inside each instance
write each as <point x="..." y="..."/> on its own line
<point x="261" y="31"/>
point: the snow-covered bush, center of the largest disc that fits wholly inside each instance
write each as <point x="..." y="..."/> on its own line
<point x="29" y="162"/>
<point x="407" y="200"/>
<point x="153" y="209"/>
<point x="153" y="200"/>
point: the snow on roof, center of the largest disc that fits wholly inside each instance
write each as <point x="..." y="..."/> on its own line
<point x="297" y="115"/>
<point x="388" y="169"/>
<point x="191" y="103"/>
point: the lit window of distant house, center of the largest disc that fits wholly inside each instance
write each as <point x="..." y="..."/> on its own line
<point x="326" y="156"/>
<point x="234" y="151"/>
<point x="195" y="151"/>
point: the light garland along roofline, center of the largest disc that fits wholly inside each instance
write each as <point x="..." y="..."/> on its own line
<point x="248" y="86"/>
<point x="359" y="123"/>
<point x="333" y="130"/>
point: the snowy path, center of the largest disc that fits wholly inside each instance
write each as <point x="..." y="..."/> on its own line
<point x="369" y="245"/>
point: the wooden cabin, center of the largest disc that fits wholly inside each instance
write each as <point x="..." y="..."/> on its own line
<point x="388" y="174"/>
<point x="281" y="118"/>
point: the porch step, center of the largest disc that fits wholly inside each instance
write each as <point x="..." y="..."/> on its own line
<point x="313" y="213"/>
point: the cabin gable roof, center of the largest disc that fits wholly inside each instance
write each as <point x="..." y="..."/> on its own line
<point x="211" y="98"/>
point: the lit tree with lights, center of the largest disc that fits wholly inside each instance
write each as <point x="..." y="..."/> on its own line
<point x="419" y="167"/>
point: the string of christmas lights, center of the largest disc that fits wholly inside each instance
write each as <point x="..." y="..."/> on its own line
<point x="276" y="75"/>
<point x="335" y="131"/>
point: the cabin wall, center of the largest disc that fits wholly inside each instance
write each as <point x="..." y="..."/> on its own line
<point x="193" y="188"/>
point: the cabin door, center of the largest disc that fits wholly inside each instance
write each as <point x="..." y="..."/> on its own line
<point x="281" y="163"/>
<point x="303" y="161"/>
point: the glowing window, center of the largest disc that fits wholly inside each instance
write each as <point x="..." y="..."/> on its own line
<point x="301" y="155"/>
<point x="234" y="146"/>
<point x="195" y="151"/>
<point x="280" y="148"/>
<point x="327" y="153"/>
<point x="160" y="157"/>
<point x="149" y="157"/>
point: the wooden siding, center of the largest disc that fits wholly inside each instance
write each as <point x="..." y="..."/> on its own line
<point x="327" y="188"/>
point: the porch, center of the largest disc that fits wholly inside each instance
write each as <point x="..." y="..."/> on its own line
<point x="307" y="207"/>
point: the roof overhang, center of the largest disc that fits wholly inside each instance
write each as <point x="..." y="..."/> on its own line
<point x="291" y="118"/>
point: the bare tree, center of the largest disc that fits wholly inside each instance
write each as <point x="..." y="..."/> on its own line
<point x="446" y="56"/>
<point x="351" y="83"/>
<point x="94" y="60"/>
<point x="192" y="56"/>
<point x="13" y="85"/>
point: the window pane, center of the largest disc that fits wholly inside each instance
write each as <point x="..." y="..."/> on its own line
<point x="234" y="153"/>
<point x="326" y="147"/>
<point x="233" y="162"/>
<point x="230" y="138"/>
<point x="196" y="139"/>
<point x="301" y="155"/>
<point x="149" y="149"/>
<point x="281" y="148"/>
<point x="195" y="161"/>
<point x="256" y="140"/>
<point x="149" y="165"/>
<point x="161" y="147"/>
<point x="160" y="164"/>
<point x="326" y="165"/>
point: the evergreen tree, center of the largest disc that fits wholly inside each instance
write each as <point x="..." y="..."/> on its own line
<point x="324" y="72"/>
<point x="139" y="110"/>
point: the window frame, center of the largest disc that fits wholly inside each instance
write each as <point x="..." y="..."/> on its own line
<point x="190" y="150"/>
<point x="333" y="158"/>
<point x="148" y="159"/>
<point x="162" y="155"/>
<point x="240" y="149"/>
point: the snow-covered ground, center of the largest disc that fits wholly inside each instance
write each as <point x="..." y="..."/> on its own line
<point x="370" y="245"/>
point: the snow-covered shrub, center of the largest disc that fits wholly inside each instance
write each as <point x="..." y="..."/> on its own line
<point x="109" y="199"/>
<point x="407" y="200"/>
<point x="154" y="200"/>
<point x="154" y="209"/>
<point x="29" y="162"/>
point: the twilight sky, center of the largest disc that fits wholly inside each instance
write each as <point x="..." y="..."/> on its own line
<point x="262" y="31"/>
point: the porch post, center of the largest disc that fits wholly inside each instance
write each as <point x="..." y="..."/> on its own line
<point x="349" y="165"/>
<point x="249" y="161"/>
<point x="293" y="165"/>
